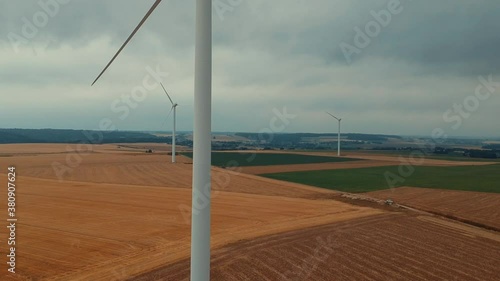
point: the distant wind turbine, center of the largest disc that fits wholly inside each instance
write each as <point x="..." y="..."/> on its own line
<point x="201" y="202"/>
<point x="338" y="137"/>
<point x="174" y="108"/>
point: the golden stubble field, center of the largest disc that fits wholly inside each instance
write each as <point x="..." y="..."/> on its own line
<point x="117" y="213"/>
<point x="121" y="214"/>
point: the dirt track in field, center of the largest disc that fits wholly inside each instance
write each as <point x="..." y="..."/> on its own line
<point x="383" y="247"/>
<point x="256" y="170"/>
<point x="390" y="158"/>
<point x="425" y="161"/>
<point x="479" y="207"/>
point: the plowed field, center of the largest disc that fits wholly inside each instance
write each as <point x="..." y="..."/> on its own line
<point x="116" y="215"/>
<point x="119" y="213"/>
<point x="478" y="207"/>
<point x="383" y="247"/>
<point x="144" y="169"/>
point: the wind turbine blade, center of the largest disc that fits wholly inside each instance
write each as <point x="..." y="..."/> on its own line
<point x="129" y="38"/>
<point x="166" y="119"/>
<point x="332" y="115"/>
<point x="167" y="93"/>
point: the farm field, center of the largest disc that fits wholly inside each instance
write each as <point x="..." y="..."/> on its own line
<point x="139" y="168"/>
<point x="242" y="159"/>
<point x="478" y="207"/>
<point x="362" y="161"/>
<point x="381" y="247"/>
<point x="87" y="204"/>
<point x="116" y="214"/>
<point x="9" y="150"/>
<point x="87" y="231"/>
<point x="483" y="178"/>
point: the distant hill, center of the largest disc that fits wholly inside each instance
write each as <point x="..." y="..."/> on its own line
<point x="370" y="137"/>
<point x="86" y="136"/>
<point x="75" y="136"/>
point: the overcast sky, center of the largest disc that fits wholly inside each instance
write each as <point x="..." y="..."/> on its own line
<point x="402" y="75"/>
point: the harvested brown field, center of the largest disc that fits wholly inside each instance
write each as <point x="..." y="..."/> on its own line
<point x="87" y="220"/>
<point x="42" y="148"/>
<point x="475" y="207"/>
<point x="145" y="169"/>
<point x="158" y="147"/>
<point x="49" y="148"/>
<point x="86" y="231"/>
<point x="115" y="214"/>
<point x="385" y="247"/>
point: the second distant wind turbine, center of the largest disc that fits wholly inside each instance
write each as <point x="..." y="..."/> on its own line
<point x="174" y="108"/>
<point x="338" y="137"/>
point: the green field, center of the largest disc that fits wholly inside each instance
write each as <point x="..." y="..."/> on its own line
<point x="471" y="178"/>
<point x="225" y="159"/>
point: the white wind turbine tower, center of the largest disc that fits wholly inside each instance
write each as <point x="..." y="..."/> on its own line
<point x="174" y="108"/>
<point x="338" y="137"/>
<point x="200" y="217"/>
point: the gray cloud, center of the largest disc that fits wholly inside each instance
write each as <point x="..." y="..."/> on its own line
<point x="267" y="54"/>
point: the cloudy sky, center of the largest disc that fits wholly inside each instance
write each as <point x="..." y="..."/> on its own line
<point x="384" y="67"/>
